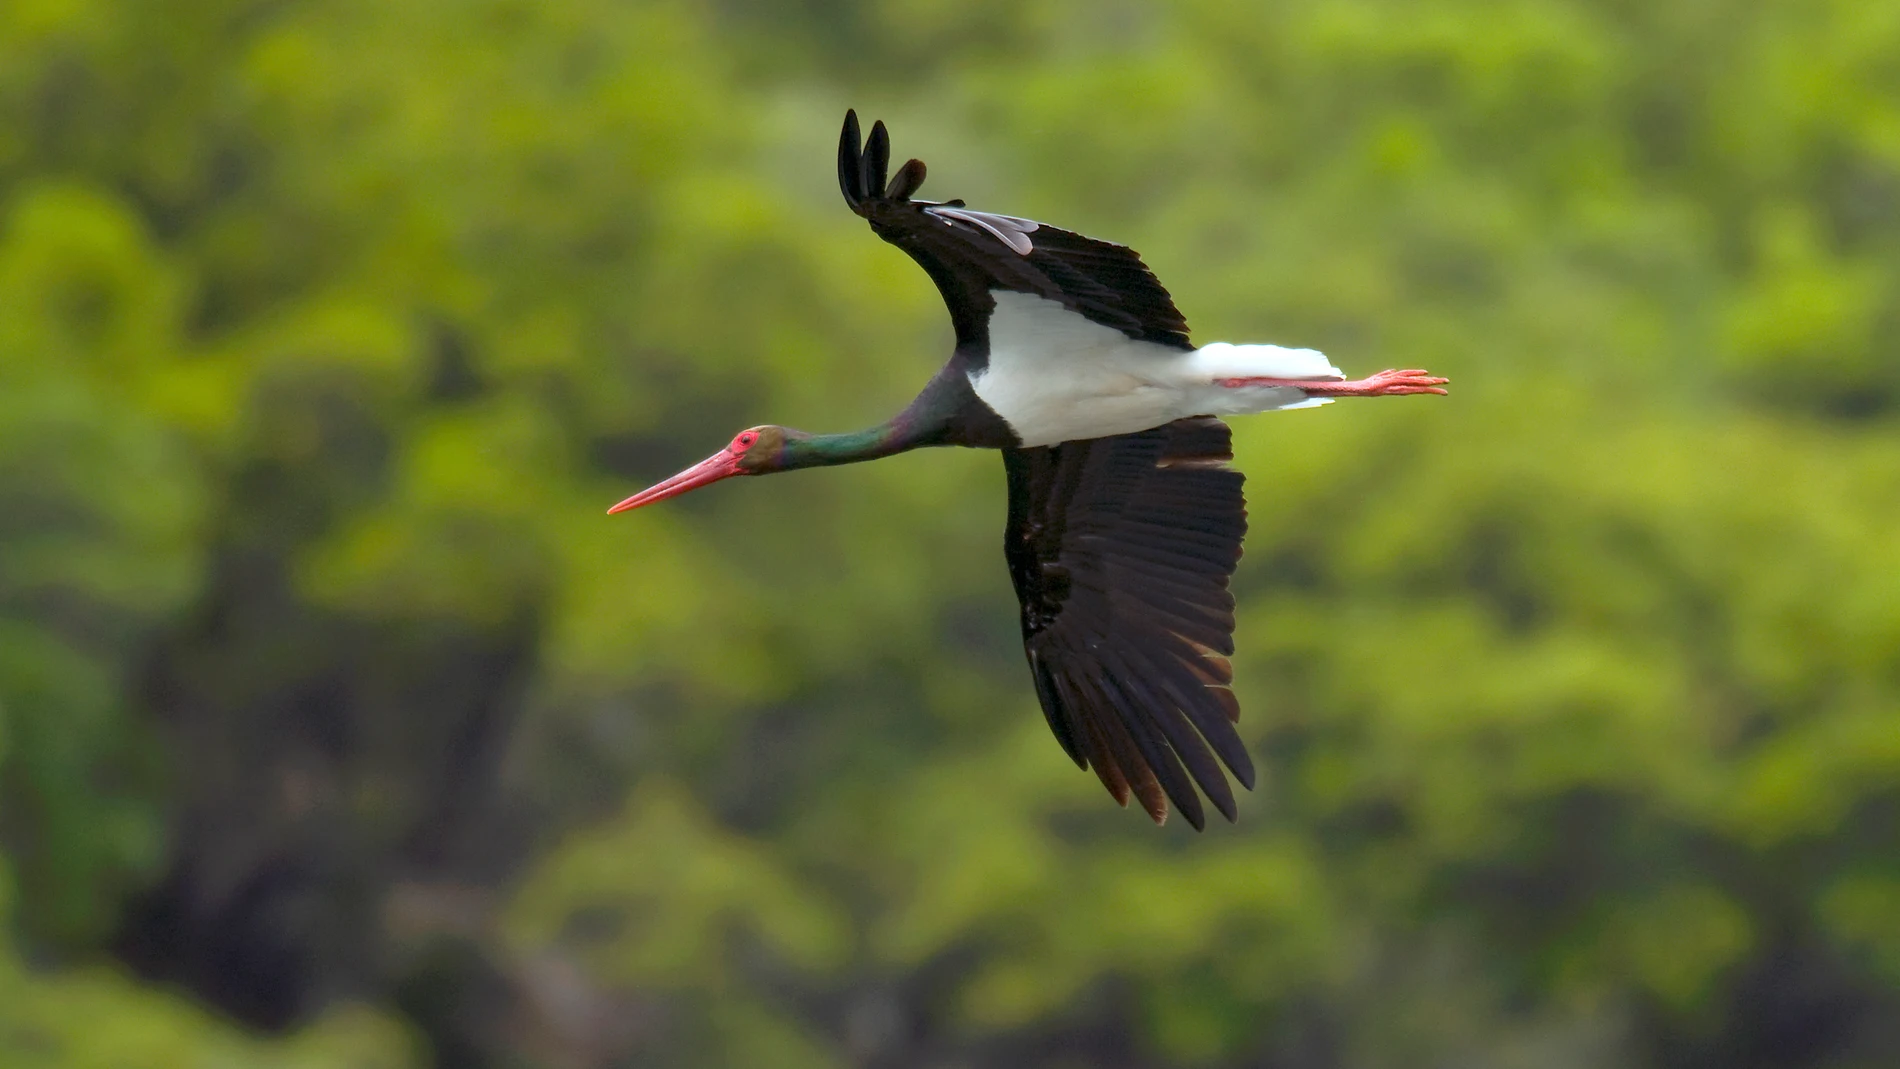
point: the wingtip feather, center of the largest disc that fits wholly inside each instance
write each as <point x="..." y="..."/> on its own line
<point x="876" y="161"/>
<point x="850" y="154"/>
<point x="909" y="179"/>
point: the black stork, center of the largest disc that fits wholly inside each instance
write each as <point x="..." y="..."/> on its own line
<point x="1125" y="521"/>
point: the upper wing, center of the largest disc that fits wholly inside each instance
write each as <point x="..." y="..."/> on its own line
<point x="970" y="253"/>
<point x="1120" y="549"/>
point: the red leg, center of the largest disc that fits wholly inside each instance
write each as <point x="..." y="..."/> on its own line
<point x="1414" y="380"/>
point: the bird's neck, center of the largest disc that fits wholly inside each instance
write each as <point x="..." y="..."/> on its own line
<point x="937" y="417"/>
<point x="824" y="450"/>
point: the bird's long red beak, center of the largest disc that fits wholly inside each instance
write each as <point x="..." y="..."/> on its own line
<point x="721" y="465"/>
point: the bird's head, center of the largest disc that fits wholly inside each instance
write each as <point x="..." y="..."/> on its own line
<point x="753" y="451"/>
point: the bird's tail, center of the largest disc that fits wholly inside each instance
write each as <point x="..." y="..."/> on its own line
<point x="1220" y="360"/>
<point x="1218" y="363"/>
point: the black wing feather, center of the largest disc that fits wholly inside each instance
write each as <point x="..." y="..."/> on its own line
<point x="961" y="252"/>
<point x="877" y="160"/>
<point x="850" y="176"/>
<point x="1128" y="630"/>
<point x="909" y="177"/>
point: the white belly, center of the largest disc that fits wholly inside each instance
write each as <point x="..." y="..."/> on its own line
<point x="1056" y="376"/>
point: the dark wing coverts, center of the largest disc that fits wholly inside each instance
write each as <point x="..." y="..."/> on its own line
<point x="970" y="253"/>
<point x="1120" y="549"/>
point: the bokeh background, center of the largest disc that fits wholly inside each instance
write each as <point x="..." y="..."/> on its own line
<point x="340" y="728"/>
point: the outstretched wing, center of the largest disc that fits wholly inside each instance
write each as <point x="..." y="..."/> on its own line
<point x="969" y="253"/>
<point x="1121" y="549"/>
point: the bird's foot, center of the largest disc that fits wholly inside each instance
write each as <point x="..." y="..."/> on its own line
<point x="1411" y="380"/>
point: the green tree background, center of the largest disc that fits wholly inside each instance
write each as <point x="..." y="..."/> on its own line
<point x="338" y="726"/>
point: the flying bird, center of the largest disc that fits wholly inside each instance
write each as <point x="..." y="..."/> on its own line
<point x="1125" y="521"/>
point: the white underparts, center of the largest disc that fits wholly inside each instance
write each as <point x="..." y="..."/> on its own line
<point x="1056" y="376"/>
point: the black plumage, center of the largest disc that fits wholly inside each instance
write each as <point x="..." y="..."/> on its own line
<point x="1120" y="549"/>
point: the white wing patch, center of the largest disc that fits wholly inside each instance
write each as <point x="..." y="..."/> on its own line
<point x="1007" y="229"/>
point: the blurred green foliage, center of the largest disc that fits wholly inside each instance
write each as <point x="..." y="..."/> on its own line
<point x="328" y="329"/>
